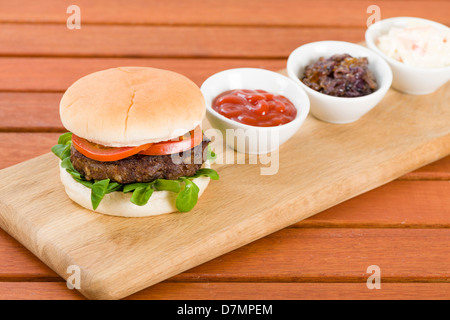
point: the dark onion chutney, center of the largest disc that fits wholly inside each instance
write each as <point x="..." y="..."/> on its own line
<point x="340" y="75"/>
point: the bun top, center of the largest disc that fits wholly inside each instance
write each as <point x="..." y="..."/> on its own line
<point x="131" y="106"/>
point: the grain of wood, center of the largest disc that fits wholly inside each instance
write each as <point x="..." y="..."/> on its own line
<point x="294" y="291"/>
<point x="37" y="291"/>
<point x="18" y="147"/>
<point x="163" y="41"/>
<point x="439" y="170"/>
<point x="399" y="204"/>
<point x="57" y="74"/>
<point x="19" y="263"/>
<point x="29" y="112"/>
<point x="323" y="255"/>
<point x="362" y="158"/>
<point x="241" y="291"/>
<point x="348" y="13"/>
<point x="294" y="255"/>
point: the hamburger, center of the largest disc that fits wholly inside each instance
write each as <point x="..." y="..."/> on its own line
<point x="135" y="146"/>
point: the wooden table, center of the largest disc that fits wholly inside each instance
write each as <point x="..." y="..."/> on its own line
<point x="402" y="227"/>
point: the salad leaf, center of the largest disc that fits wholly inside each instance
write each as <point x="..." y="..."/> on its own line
<point x="188" y="197"/>
<point x="210" y="155"/>
<point x="133" y="186"/>
<point x="113" y="186"/>
<point x="67" y="164"/>
<point x="65" y="138"/>
<point x="99" y="189"/>
<point x="74" y="174"/>
<point x="168" y="185"/>
<point x="141" y="195"/>
<point x="85" y="183"/>
<point x="207" y="172"/>
<point x="62" y="151"/>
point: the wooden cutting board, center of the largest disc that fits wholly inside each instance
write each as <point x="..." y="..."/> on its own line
<point x="321" y="166"/>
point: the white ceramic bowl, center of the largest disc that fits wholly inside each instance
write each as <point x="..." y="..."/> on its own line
<point x="258" y="140"/>
<point x="339" y="109"/>
<point x="408" y="79"/>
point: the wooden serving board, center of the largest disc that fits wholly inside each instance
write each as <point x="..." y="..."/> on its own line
<point x="321" y="166"/>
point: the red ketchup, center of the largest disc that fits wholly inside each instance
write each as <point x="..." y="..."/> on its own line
<point x="255" y="107"/>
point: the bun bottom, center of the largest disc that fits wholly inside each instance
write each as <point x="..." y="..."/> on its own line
<point x="118" y="203"/>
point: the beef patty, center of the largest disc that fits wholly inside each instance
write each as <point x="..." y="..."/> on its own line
<point x="142" y="168"/>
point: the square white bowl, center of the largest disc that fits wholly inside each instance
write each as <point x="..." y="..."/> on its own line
<point x="259" y="140"/>
<point x="408" y="79"/>
<point x="339" y="109"/>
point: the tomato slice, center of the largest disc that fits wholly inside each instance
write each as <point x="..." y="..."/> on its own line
<point x="183" y="143"/>
<point x="101" y="153"/>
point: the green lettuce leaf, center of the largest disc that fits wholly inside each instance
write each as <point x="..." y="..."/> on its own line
<point x="167" y="185"/>
<point x="210" y="155"/>
<point x="65" y="138"/>
<point x="188" y="197"/>
<point x="207" y="172"/>
<point x="62" y="151"/>
<point x="142" y="194"/>
<point x="99" y="189"/>
<point x="133" y="186"/>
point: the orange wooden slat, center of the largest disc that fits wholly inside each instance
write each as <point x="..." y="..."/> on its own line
<point x="18" y="147"/>
<point x="292" y="291"/>
<point x="298" y="255"/>
<point x="408" y="204"/>
<point x="434" y="171"/>
<point x="245" y="291"/>
<point x="37" y="291"/>
<point x="57" y="74"/>
<point x="30" y="112"/>
<point x="16" y="262"/>
<point x="334" y="255"/>
<point x="163" y="41"/>
<point x="228" y="12"/>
